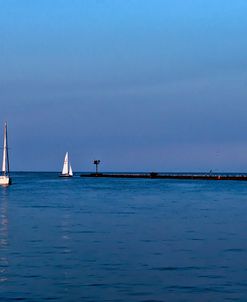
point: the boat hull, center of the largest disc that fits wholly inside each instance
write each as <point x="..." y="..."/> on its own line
<point x="5" y="180"/>
<point x="65" y="175"/>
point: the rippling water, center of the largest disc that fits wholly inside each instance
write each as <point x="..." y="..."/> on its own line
<point x="122" y="240"/>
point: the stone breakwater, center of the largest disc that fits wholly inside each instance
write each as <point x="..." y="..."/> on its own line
<point x="154" y="175"/>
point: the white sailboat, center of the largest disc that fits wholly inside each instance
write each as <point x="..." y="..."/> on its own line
<point x="5" y="178"/>
<point x="67" y="169"/>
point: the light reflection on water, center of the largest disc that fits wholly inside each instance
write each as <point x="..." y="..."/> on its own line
<point x="3" y="234"/>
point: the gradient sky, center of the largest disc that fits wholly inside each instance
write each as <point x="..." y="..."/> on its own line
<point x="143" y="85"/>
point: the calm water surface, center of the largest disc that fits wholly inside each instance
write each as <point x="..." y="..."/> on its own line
<point x="122" y="240"/>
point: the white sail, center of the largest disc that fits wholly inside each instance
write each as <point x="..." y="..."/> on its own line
<point x="66" y="164"/>
<point x="70" y="171"/>
<point x="5" y="151"/>
<point x="4" y="178"/>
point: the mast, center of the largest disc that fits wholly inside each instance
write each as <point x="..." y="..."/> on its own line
<point x="7" y="150"/>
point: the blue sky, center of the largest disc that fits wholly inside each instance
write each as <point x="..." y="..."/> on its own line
<point x="142" y="85"/>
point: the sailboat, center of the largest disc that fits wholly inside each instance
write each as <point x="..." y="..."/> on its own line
<point x="5" y="179"/>
<point x="67" y="169"/>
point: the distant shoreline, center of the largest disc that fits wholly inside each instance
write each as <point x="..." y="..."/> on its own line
<point x="154" y="175"/>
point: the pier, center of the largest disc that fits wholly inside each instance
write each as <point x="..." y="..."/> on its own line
<point x="154" y="175"/>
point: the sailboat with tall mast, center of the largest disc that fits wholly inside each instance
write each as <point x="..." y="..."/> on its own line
<point x="67" y="169"/>
<point x="5" y="177"/>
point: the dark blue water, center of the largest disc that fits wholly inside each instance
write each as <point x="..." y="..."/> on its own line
<point x="122" y="240"/>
